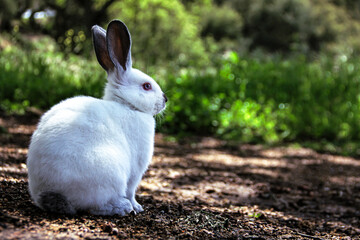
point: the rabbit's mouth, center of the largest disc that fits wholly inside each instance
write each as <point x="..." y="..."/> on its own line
<point x="160" y="106"/>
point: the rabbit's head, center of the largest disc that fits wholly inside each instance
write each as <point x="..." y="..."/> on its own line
<point x="126" y="85"/>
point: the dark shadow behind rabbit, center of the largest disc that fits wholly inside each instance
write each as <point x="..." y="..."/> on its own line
<point x="90" y="154"/>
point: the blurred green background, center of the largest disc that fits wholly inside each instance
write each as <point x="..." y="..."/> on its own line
<point x="254" y="71"/>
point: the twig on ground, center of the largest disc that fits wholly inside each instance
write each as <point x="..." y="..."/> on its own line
<point x="309" y="236"/>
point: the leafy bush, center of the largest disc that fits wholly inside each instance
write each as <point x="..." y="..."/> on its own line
<point x="42" y="79"/>
<point x="162" y="31"/>
<point x="269" y="101"/>
<point x="252" y="100"/>
<point x="302" y="25"/>
<point x="220" y="22"/>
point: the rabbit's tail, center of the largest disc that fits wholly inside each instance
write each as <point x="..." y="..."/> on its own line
<point x="55" y="202"/>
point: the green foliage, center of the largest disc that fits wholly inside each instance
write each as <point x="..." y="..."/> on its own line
<point x="42" y="79"/>
<point x="220" y="22"/>
<point x="269" y="101"/>
<point x="10" y="11"/>
<point x="185" y="27"/>
<point x="310" y="93"/>
<point x="239" y="98"/>
<point x="162" y="31"/>
<point x="288" y="25"/>
<point x="74" y="42"/>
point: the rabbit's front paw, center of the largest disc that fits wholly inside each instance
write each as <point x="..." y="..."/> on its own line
<point x="137" y="207"/>
<point x="122" y="207"/>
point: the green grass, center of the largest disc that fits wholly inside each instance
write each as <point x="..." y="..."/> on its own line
<point x="269" y="101"/>
<point x="239" y="98"/>
<point x="42" y="79"/>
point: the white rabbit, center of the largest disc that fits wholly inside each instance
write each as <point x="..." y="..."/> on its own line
<point x="90" y="154"/>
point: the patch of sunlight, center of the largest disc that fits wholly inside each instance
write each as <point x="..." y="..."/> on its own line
<point x="22" y="129"/>
<point x="10" y="179"/>
<point x="343" y="160"/>
<point x="232" y="160"/>
<point x="342" y="180"/>
<point x="14" y="169"/>
<point x="12" y="150"/>
<point x="262" y="171"/>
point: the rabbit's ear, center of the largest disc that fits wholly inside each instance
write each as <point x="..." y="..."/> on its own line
<point x="119" y="44"/>
<point x="102" y="55"/>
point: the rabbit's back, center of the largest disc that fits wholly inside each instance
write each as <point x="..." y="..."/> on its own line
<point x="88" y="147"/>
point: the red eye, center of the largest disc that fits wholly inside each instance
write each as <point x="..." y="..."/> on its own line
<point x="147" y="86"/>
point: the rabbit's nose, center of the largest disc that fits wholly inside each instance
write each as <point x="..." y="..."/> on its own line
<point x="165" y="97"/>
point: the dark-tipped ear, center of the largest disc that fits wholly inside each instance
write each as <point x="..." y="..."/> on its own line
<point x="100" y="46"/>
<point x="119" y="44"/>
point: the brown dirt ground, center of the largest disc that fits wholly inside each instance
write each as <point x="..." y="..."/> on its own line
<point x="201" y="188"/>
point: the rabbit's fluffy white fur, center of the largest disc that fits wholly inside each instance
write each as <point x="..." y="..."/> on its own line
<point x="89" y="154"/>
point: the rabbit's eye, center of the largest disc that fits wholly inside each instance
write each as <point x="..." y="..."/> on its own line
<point x="147" y="86"/>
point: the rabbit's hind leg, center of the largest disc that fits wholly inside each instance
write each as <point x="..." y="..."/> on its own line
<point x="55" y="202"/>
